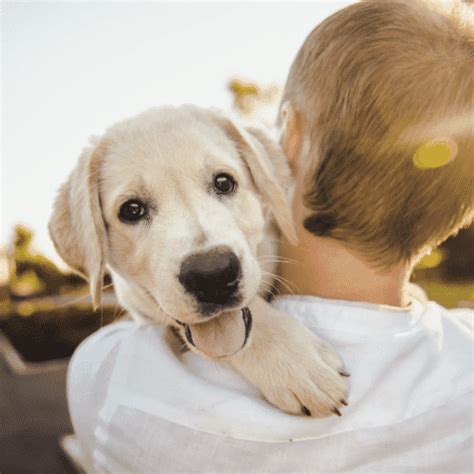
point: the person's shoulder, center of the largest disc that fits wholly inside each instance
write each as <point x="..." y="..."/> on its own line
<point x="113" y="331"/>
<point x="128" y="368"/>
<point x="94" y="358"/>
<point x="450" y="348"/>
<point x="89" y="373"/>
<point x="457" y="321"/>
<point x="463" y="318"/>
<point x="95" y="348"/>
<point x="456" y="327"/>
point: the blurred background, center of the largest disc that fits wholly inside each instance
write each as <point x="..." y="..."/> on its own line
<point x="69" y="70"/>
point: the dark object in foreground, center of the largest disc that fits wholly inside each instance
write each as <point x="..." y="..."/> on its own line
<point x="459" y="262"/>
<point x="55" y="333"/>
<point x="33" y="414"/>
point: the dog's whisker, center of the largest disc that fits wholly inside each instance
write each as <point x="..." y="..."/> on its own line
<point x="290" y="290"/>
<point x="275" y="260"/>
<point x="275" y="290"/>
<point x="120" y="313"/>
<point x="283" y="281"/>
<point x="266" y="262"/>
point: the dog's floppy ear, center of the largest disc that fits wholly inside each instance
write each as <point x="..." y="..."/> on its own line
<point x="268" y="168"/>
<point x="76" y="225"/>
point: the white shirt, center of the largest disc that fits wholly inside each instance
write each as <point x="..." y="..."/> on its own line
<point x="137" y="408"/>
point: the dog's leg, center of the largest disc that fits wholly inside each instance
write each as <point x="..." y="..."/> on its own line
<point x="293" y="368"/>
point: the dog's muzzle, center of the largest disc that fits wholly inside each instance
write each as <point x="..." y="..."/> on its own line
<point x="213" y="278"/>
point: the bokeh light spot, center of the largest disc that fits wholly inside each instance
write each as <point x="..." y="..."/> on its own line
<point x="25" y="309"/>
<point x="434" y="154"/>
<point x="432" y="260"/>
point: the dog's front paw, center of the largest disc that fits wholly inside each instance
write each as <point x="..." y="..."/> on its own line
<point x="294" y="369"/>
<point x="307" y="380"/>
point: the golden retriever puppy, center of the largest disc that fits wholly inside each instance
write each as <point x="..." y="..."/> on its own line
<point x="178" y="204"/>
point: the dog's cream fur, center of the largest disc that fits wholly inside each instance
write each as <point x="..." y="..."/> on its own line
<point x="168" y="156"/>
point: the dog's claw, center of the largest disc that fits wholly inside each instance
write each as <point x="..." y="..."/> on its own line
<point x="305" y="411"/>
<point x="344" y="402"/>
<point x="343" y="373"/>
<point x="336" y="412"/>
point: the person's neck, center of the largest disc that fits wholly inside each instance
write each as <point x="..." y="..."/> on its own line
<point x="325" y="267"/>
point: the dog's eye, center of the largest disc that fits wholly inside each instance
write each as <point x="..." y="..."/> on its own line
<point x="132" y="211"/>
<point x="224" y="183"/>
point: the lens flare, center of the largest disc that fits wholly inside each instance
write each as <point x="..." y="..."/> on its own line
<point x="434" y="154"/>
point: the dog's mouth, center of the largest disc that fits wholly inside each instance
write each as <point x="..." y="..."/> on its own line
<point x="204" y="311"/>
<point x="227" y="348"/>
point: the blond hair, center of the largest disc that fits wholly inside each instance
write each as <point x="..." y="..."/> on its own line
<point x="375" y="82"/>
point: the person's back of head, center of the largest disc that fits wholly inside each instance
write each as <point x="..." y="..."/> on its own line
<point x="384" y="89"/>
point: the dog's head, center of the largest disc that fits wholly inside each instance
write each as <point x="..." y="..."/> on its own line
<point x="173" y="202"/>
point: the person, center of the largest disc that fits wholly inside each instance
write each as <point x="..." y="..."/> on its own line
<point x="376" y="123"/>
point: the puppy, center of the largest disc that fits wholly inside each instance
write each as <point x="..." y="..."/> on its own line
<point x="179" y="204"/>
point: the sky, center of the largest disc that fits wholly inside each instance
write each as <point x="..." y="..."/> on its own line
<point x="71" y="69"/>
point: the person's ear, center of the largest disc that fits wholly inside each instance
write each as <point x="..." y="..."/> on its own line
<point x="76" y="225"/>
<point x="268" y="169"/>
<point x="292" y="133"/>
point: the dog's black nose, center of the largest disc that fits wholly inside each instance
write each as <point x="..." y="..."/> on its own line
<point x="212" y="277"/>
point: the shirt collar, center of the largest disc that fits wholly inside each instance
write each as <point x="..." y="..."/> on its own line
<point x="353" y="316"/>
